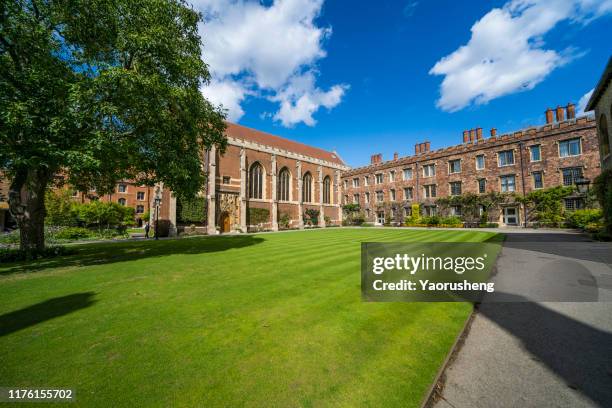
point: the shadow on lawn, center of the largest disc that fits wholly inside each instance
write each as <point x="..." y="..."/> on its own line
<point x="112" y="252"/>
<point x="43" y="311"/>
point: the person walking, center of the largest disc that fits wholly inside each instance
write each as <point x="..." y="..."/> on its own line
<point x="147" y="227"/>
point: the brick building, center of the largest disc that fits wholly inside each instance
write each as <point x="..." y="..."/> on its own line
<point x="601" y="103"/>
<point x="282" y="177"/>
<point x="557" y="153"/>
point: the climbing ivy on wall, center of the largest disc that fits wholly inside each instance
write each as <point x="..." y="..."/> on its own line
<point x="192" y="211"/>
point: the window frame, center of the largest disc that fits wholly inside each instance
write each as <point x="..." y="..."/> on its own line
<point x="501" y="183"/>
<point x="533" y="177"/>
<point x="450" y="163"/>
<point x="568" y="141"/>
<point x="499" y="155"/>
<point x="539" y="147"/>
<point x="483" y="162"/>
<point x="257" y="190"/>
<point x="454" y="184"/>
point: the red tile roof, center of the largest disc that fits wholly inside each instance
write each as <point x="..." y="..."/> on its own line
<point x="241" y="132"/>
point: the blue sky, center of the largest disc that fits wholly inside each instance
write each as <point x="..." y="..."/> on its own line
<point x="369" y="77"/>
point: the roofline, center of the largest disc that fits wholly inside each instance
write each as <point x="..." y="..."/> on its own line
<point x="342" y="162"/>
<point x="587" y="121"/>
<point x="604" y="80"/>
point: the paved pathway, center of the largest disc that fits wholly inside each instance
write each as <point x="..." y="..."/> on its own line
<point x="540" y="354"/>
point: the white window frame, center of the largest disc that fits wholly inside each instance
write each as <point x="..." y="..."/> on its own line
<point x="501" y="183"/>
<point x="567" y="141"/>
<point x="483" y="162"/>
<point x="505" y="165"/>
<point x="410" y="172"/>
<point x="431" y="167"/>
<point x="539" y="146"/>
<point x="449" y="166"/>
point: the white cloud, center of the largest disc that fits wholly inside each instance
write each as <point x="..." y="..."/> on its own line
<point x="506" y="51"/>
<point x="259" y="50"/>
<point x="300" y="99"/>
<point x="582" y="103"/>
<point x="229" y="94"/>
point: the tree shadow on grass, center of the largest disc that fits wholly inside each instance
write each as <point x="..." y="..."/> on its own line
<point x="43" y="311"/>
<point x="112" y="252"/>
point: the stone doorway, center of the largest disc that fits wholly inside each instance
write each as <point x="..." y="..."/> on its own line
<point x="228" y="212"/>
<point x="224" y="222"/>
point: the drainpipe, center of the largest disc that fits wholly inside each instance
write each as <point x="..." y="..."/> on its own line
<point x="520" y="146"/>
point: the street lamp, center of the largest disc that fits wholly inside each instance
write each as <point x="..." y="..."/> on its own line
<point x="582" y="185"/>
<point x="157" y="201"/>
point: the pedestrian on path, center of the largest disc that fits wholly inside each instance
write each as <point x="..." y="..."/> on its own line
<point x="147" y="227"/>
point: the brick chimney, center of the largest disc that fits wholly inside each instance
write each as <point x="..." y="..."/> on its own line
<point x="427" y="147"/>
<point x="571" y="111"/>
<point x="417" y="148"/>
<point x="560" y="114"/>
<point x="376" y="158"/>
<point x="472" y="135"/>
<point x="479" y="134"/>
<point x="466" y="136"/>
<point x="493" y="132"/>
<point x="395" y="156"/>
<point x="549" y="116"/>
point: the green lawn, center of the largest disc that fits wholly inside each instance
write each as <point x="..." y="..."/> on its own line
<point x="253" y="320"/>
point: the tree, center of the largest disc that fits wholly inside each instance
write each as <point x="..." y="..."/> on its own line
<point x="97" y="92"/>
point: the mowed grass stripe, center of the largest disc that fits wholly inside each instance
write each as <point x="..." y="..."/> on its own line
<point x="262" y="320"/>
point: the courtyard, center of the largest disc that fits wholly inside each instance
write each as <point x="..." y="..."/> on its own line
<point x="249" y="320"/>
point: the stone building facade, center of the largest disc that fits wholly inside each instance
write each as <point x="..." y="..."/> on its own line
<point x="278" y="176"/>
<point x="601" y="103"/>
<point x="555" y="154"/>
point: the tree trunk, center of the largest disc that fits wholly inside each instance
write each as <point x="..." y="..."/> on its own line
<point x="27" y="205"/>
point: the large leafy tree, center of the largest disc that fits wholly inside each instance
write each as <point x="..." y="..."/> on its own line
<point x="96" y="91"/>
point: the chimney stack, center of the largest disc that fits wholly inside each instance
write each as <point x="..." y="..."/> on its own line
<point x="395" y="156"/>
<point x="493" y="132"/>
<point x="472" y="135"/>
<point x="466" y="136"/>
<point x="479" y="134"/>
<point x="417" y="148"/>
<point x="376" y="158"/>
<point x="560" y="114"/>
<point x="427" y="146"/>
<point x="571" y="111"/>
<point x="549" y="116"/>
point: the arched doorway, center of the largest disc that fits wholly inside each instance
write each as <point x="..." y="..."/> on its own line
<point x="224" y="222"/>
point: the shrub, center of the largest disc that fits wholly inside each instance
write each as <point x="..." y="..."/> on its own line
<point x="191" y="211"/>
<point x="17" y="255"/>
<point x="60" y="208"/>
<point x="257" y="216"/>
<point x="602" y="187"/>
<point x="452" y="220"/>
<point x="431" y="221"/>
<point x="163" y="228"/>
<point x="283" y="221"/>
<point x="311" y="216"/>
<point x="73" y="233"/>
<point x="581" y="218"/>
<point x="11" y="238"/>
<point x="328" y="220"/>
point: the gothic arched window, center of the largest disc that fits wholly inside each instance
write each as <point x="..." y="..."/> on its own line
<point x="256" y="181"/>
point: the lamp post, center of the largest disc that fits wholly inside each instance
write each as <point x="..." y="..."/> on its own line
<point x="157" y="201"/>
